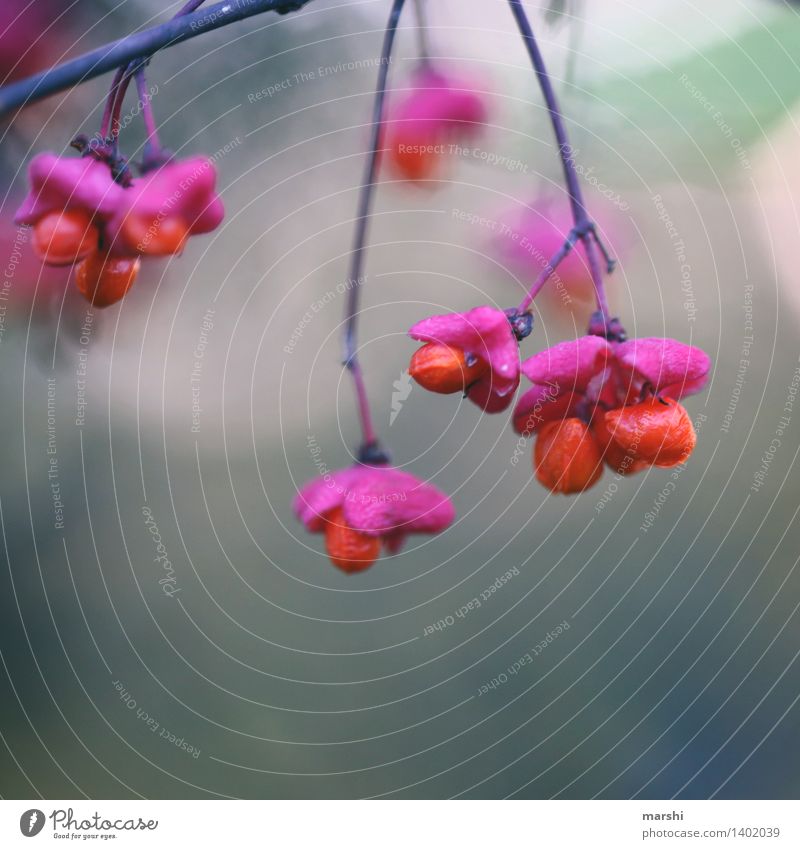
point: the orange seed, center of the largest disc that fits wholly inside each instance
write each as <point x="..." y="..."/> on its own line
<point x="616" y="457"/>
<point x="64" y="236"/>
<point x="103" y="280"/>
<point x="657" y="431"/>
<point x="349" y="550"/>
<point x="440" y="368"/>
<point x="567" y="458"/>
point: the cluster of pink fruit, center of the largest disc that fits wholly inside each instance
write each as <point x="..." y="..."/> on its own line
<point x="83" y="215"/>
<point x="599" y="399"/>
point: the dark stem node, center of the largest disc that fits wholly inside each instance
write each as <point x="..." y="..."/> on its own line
<point x="521" y="323"/>
<point x="373" y="454"/>
<point x="611" y="329"/>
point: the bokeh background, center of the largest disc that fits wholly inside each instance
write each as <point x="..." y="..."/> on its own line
<point x="274" y="674"/>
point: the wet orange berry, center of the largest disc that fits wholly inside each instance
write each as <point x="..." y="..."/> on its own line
<point x="440" y="368"/>
<point x="157" y="237"/>
<point x="567" y="458"/>
<point x="65" y="236"/>
<point x="103" y="280"/>
<point x="349" y="550"/>
<point x="615" y="455"/>
<point x="657" y="431"/>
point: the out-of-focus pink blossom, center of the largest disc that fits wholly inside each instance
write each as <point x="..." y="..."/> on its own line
<point x="526" y="240"/>
<point x="30" y="36"/>
<point x="437" y="110"/>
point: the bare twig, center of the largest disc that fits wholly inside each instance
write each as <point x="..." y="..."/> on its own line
<point x="119" y="53"/>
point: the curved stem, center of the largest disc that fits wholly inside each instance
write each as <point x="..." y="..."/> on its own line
<point x="547" y="272"/>
<point x="360" y="237"/>
<point x="579" y="232"/>
<point x="119" y="99"/>
<point x="105" y="123"/>
<point x="147" y="109"/>
<point x="122" y="79"/>
<point x="584" y="228"/>
<point x="119" y="53"/>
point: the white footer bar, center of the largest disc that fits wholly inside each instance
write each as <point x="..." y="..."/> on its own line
<point x="401" y="824"/>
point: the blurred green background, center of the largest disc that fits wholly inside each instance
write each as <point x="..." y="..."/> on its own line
<point x="678" y="674"/>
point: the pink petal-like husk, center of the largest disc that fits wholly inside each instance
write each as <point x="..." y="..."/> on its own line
<point x="184" y="189"/>
<point x="377" y="500"/>
<point x="323" y="494"/>
<point x="486" y="333"/>
<point x="570" y="365"/>
<point x="386" y="500"/>
<point x="541" y="404"/>
<point x="484" y="392"/>
<point x="58" y="183"/>
<point x="671" y="367"/>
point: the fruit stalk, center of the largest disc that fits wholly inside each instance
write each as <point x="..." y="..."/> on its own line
<point x="583" y="225"/>
<point x="364" y="208"/>
<point x="147" y="110"/>
<point x="121" y="81"/>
